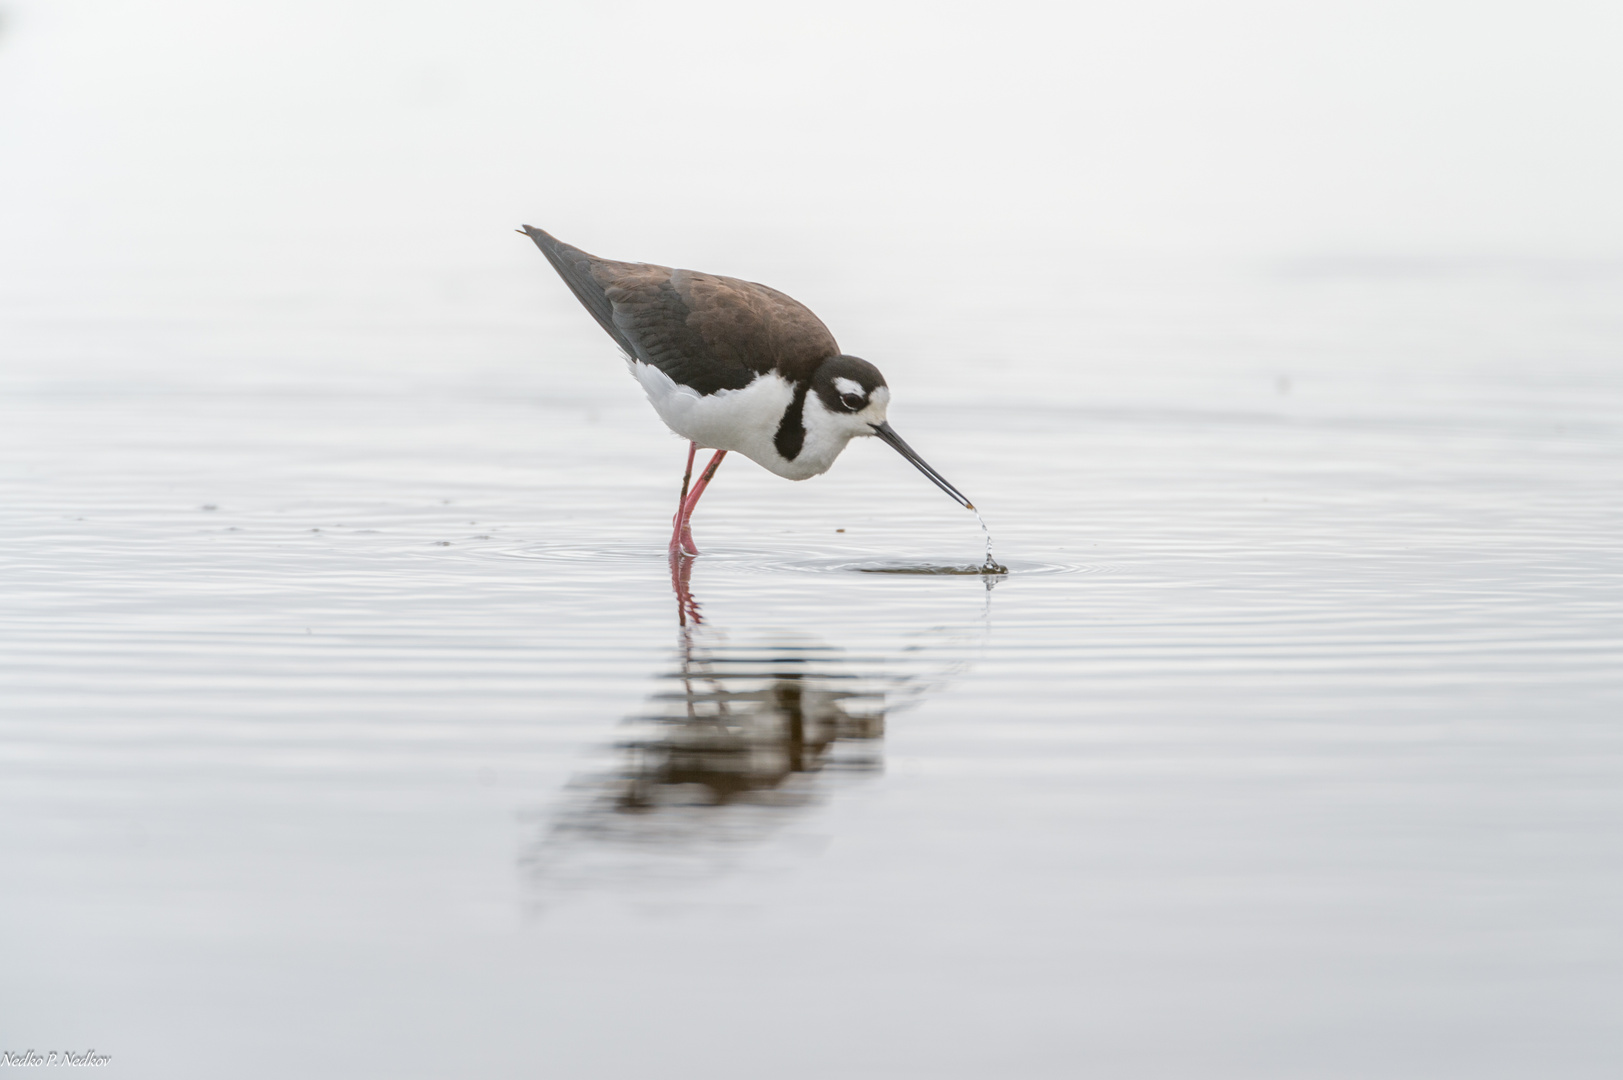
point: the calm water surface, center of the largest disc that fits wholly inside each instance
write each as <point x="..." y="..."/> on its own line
<point x="349" y="719"/>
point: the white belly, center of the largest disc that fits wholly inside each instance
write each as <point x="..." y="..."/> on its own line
<point x="743" y="421"/>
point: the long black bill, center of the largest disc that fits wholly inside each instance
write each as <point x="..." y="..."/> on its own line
<point x="888" y="433"/>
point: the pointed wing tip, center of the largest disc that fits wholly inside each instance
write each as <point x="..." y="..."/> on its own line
<point x="548" y="243"/>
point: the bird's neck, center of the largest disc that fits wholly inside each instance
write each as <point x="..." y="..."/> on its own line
<point x="826" y="436"/>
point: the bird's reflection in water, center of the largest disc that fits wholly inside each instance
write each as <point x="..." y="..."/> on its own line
<point x="740" y="723"/>
<point x="734" y="736"/>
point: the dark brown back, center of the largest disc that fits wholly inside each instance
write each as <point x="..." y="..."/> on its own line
<point x="707" y="332"/>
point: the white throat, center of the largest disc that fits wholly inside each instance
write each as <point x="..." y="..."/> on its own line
<point x="826" y="435"/>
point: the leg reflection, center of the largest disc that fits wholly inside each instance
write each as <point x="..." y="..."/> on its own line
<point x="687" y="608"/>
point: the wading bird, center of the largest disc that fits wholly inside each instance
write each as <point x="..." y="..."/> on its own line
<point x="730" y="365"/>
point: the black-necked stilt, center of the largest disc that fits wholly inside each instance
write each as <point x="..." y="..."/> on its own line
<point x="732" y="365"/>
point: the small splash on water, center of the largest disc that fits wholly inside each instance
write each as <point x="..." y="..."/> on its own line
<point x="991" y="565"/>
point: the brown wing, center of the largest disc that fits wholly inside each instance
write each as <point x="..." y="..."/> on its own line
<point x="707" y="332"/>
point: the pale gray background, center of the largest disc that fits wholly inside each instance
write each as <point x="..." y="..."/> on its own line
<point x="1290" y="333"/>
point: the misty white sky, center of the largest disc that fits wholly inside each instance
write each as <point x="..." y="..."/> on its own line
<point x="236" y="132"/>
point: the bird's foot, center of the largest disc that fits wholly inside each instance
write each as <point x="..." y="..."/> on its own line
<point x="682" y="538"/>
<point x="682" y="543"/>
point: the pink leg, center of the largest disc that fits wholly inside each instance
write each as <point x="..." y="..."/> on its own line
<point x="687" y="474"/>
<point x="682" y="534"/>
<point x="680" y="521"/>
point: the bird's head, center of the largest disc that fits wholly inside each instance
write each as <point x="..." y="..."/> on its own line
<point x="854" y="396"/>
<point x="853" y="393"/>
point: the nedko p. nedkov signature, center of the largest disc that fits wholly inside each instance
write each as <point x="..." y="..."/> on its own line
<point x="34" y="1058"/>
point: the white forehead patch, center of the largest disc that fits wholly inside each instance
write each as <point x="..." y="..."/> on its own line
<point x="848" y="386"/>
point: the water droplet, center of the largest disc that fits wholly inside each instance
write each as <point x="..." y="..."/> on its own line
<point x="991" y="565"/>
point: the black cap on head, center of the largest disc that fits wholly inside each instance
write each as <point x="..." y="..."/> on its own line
<point x="845" y="383"/>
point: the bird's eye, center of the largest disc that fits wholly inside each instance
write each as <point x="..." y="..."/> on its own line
<point x="851" y="401"/>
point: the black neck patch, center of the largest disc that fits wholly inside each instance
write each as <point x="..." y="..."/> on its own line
<point x="791" y="436"/>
